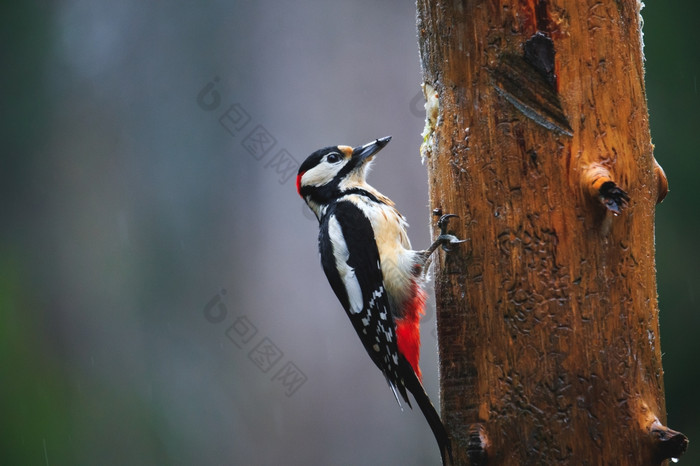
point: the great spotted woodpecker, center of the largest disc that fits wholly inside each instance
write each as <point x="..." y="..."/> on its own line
<point x="371" y="267"/>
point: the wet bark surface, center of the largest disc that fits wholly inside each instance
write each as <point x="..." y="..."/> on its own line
<point x="548" y="315"/>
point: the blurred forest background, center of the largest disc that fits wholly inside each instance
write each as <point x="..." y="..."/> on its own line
<point x="161" y="299"/>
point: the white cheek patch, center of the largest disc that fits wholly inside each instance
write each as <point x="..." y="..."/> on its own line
<point x="347" y="273"/>
<point x="320" y="175"/>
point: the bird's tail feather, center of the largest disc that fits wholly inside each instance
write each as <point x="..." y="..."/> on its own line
<point x="426" y="406"/>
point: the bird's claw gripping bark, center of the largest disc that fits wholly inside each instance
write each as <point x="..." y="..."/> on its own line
<point x="444" y="220"/>
<point x="445" y="238"/>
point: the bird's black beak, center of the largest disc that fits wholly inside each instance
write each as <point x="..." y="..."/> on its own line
<point x="365" y="153"/>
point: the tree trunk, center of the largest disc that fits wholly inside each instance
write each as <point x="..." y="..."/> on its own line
<point x="537" y="136"/>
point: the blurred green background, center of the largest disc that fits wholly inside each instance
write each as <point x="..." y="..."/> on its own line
<point x="156" y="262"/>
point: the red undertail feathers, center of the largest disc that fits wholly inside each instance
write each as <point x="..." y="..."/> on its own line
<point x="408" y="329"/>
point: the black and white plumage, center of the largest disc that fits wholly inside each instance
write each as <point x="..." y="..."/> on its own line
<point x="347" y="240"/>
<point x="369" y="263"/>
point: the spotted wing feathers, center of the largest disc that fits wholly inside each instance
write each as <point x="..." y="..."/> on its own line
<point x="351" y="262"/>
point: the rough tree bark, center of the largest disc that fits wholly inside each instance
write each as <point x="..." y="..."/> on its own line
<point x="537" y="136"/>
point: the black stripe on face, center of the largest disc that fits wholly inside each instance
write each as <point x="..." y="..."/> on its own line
<point x="325" y="161"/>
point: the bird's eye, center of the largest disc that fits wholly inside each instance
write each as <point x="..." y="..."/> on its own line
<point x="333" y="157"/>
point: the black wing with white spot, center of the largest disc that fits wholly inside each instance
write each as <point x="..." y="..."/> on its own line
<point x="351" y="262"/>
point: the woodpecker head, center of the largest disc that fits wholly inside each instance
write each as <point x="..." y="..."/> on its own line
<point x="329" y="172"/>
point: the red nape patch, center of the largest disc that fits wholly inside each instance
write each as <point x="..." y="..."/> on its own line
<point x="408" y="329"/>
<point x="299" y="182"/>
